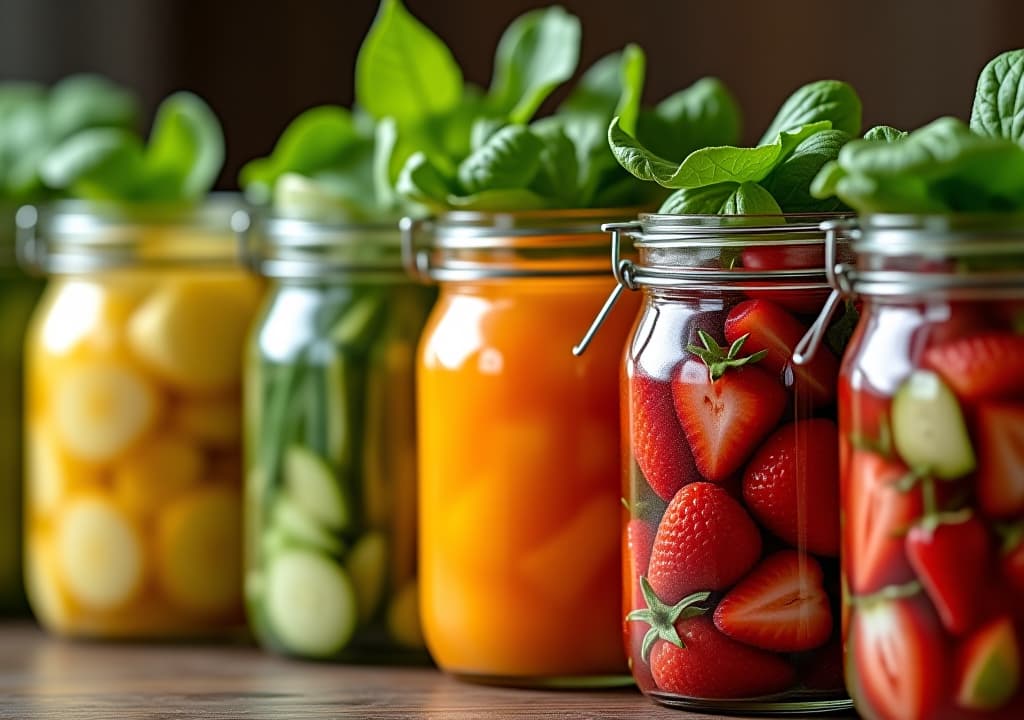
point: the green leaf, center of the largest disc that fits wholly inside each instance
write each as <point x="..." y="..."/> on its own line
<point x="558" y="174"/>
<point x="703" y="115"/>
<point x="403" y="70"/>
<point x="831" y="100"/>
<point x="303" y="198"/>
<point x="83" y="101"/>
<point x="885" y="133"/>
<point x="537" y="53"/>
<point x="634" y="65"/>
<point x="421" y="182"/>
<point x="385" y="141"/>
<point x="707" y="166"/>
<point x="707" y="200"/>
<point x="998" y="109"/>
<point x="482" y="130"/>
<point x="498" y="200"/>
<point x="312" y="141"/>
<point x="790" y="182"/>
<point x="749" y="198"/>
<point x="186" y="148"/>
<point x="509" y="159"/>
<point x="96" y="164"/>
<point x="598" y="91"/>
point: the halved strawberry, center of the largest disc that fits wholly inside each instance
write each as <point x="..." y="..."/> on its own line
<point x="791" y="485"/>
<point x="781" y="605"/>
<point x="985" y="366"/>
<point x="705" y="541"/>
<point x="772" y="329"/>
<point x="879" y="513"/>
<point x="898" y="658"/>
<point x="658" y="444"/>
<point x="951" y="555"/>
<point x="988" y="667"/>
<point x="1000" y="478"/>
<point x="725" y="405"/>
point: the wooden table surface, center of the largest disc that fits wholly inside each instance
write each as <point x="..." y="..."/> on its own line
<point x="44" y="677"/>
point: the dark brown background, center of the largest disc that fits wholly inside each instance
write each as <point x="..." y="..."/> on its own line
<point x="259" y="62"/>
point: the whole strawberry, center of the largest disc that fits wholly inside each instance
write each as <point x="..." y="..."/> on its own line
<point x="792" y="485"/>
<point x="705" y="541"/>
<point x="658" y="444"/>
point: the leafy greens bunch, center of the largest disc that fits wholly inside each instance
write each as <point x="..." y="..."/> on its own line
<point x="945" y="166"/>
<point x="774" y="177"/>
<point x="450" y="145"/>
<point x="179" y="162"/>
<point x="34" y="119"/>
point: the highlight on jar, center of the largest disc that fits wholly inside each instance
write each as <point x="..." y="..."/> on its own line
<point x="731" y="469"/>
<point x="932" y="418"/>
<point x="36" y="118"/>
<point x="133" y="384"/>
<point x="331" y="568"/>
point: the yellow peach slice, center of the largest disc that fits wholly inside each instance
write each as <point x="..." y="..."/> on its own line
<point x="157" y="471"/>
<point x="199" y="550"/>
<point x="213" y="422"/>
<point x="99" y="553"/>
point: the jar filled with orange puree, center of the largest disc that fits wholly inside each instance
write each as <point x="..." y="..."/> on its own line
<point x="519" y="450"/>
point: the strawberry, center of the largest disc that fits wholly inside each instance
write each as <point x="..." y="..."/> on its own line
<point x="880" y="508"/>
<point x="1012" y="560"/>
<point x="898" y="657"/>
<point x="985" y="366"/>
<point x="637" y="555"/>
<point x="951" y="555"/>
<point x="658" y="444"/>
<point x="988" y="667"/>
<point x="823" y="669"/>
<point x="791" y="485"/>
<point x="1000" y="478"/>
<point x="688" y="656"/>
<point x="778" y="256"/>
<point x="781" y="605"/>
<point x="705" y="541"/>
<point x="773" y="330"/>
<point x="725" y="405"/>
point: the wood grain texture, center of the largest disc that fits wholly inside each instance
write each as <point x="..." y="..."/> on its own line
<point x="44" y="677"/>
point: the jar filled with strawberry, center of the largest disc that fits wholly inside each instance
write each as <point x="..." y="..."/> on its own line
<point x="731" y="535"/>
<point x="932" y="460"/>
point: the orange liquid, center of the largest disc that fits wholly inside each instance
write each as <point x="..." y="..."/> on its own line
<point x="520" y="481"/>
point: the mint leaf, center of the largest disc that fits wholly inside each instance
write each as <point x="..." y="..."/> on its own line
<point x="998" y="109"/>
<point x="831" y="100"/>
<point x="403" y="70"/>
<point x="702" y="115"/>
<point x="749" y="198"/>
<point x="707" y="166"/>
<point x="789" y="183"/>
<point x="885" y="133"/>
<point x="537" y="53"/>
<point x="509" y="159"/>
<point x="186" y="148"/>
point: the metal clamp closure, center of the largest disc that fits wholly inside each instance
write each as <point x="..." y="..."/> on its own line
<point x="415" y="259"/>
<point x="625" y="277"/>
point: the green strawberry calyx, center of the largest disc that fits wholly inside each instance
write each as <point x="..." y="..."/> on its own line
<point x="663" y="617"/>
<point x="887" y="595"/>
<point x="719" y="358"/>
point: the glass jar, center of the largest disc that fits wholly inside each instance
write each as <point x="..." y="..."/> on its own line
<point x="731" y="535"/>
<point x="133" y="419"/>
<point x="931" y="424"/>
<point x="331" y="445"/>
<point x="18" y="295"/>
<point x="519" y="489"/>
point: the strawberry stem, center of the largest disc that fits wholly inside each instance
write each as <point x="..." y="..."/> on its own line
<point x="662" y="617"/>
<point x="719" y="358"/>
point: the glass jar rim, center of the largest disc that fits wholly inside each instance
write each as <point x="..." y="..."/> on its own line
<point x="950" y="234"/>
<point x="712" y="231"/>
<point x="81" y="236"/>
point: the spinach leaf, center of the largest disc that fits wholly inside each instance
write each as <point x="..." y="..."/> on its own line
<point x="789" y="183"/>
<point x="831" y="100"/>
<point x="707" y="200"/>
<point x="885" y="133"/>
<point x="558" y="174"/>
<point x="421" y="182"/>
<point x="998" y="109"/>
<point x="403" y="70"/>
<point x="537" y="53"/>
<point x="702" y="115"/>
<point x="509" y="159"/>
<point x="707" y="166"/>
<point x="186" y="147"/>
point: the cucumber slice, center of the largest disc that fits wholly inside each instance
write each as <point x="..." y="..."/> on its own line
<point x="357" y="322"/>
<point x="336" y="411"/>
<point x="367" y="566"/>
<point x="299" y="528"/>
<point x="314" y="487"/>
<point x="928" y="427"/>
<point x="310" y="603"/>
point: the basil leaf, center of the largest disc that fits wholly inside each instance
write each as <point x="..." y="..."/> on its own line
<point x="634" y="64"/>
<point x="303" y="198"/>
<point x="509" y="159"/>
<point x="598" y="91"/>
<point x="789" y="183"/>
<point x="885" y="133"/>
<point x="482" y="130"/>
<point x="869" y="194"/>
<point x="82" y="101"/>
<point x="186" y="147"/>
<point x="421" y="182"/>
<point x="703" y="115"/>
<point x="707" y="200"/>
<point x="385" y="140"/>
<point x="707" y="166"/>
<point x="313" y="140"/>
<point x="831" y="100"/>
<point x="96" y="164"/>
<point x="558" y="174"/>
<point x="537" y="53"/>
<point x="403" y="70"/>
<point x="998" y="109"/>
<point x="749" y="198"/>
<point x="498" y="200"/>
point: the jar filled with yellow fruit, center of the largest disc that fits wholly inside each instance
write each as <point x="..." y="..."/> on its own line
<point x="133" y="419"/>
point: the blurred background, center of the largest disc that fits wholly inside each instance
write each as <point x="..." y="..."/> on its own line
<point x="260" y="62"/>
